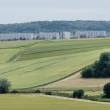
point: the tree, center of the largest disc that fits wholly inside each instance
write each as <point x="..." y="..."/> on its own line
<point x="105" y="57"/>
<point x="4" y="86"/>
<point x="78" y="93"/>
<point x="106" y="90"/>
<point x="37" y="91"/>
<point x="87" y="72"/>
<point x="48" y="93"/>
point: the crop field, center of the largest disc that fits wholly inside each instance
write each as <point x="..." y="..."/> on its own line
<point x="30" y="102"/>
<point x="15" y="44"/>
<point x="30" y="64"/>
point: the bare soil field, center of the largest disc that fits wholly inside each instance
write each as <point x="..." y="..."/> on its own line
<point x="76" y="81"/>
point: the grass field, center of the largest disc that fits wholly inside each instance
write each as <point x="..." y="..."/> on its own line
<point x="15" y="44"/>
<point x="32" y="63"/>
<point x="30" y="102"/>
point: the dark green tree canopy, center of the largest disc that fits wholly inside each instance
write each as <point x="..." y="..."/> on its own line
<point x="55" y="26"/>
<point x="78" y="93"/>
<point x="106" y="90"/>
<point x="4" y="86"/>
<point x="100" y="69"/>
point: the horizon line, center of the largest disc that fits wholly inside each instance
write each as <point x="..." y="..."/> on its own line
<point x="54" y="21"/>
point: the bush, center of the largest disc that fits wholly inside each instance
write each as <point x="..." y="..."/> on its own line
<point x="78" y="93"/>
<point x="14" y="91"/>
<point x="87" y="72"/>
<point x="37" y="91"/>
<point x="48" y="93"/>
<point x="106" y="90"/>
<point x="100" y="69"/>
<point x="62" y="93"/>
<point x="4" y="86"/>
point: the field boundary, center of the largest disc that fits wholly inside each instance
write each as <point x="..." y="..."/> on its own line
<point x="52" y="81"/>
<point x="73" y="99"/>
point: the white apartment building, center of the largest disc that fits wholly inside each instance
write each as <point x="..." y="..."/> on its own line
<point x="16" y="36"/>
<point x="90" y="34"/>
<point x="49" y="35"/>
<point x="39" y="35"/>
<point x="54" y="35"/>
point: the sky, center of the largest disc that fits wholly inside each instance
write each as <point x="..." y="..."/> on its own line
<point x="18" y="11"/>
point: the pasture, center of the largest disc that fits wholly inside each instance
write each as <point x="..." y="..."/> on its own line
<point x="32" y="102"/>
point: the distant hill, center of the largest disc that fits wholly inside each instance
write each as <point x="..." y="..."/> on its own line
<point x="53" y="26"/>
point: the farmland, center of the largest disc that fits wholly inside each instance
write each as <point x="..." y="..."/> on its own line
<point x="30" y="64"/>
<point x="32" y="102"/>
<point x="50" y="65"/>
<point x="76" y="82"/>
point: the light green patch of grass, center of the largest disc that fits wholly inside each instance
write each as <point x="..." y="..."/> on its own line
<point x="28" y="102"/>
<point x="94" y="93"/>
<point x="57" y="48"/>
<point x="7" y="54"/>
<point x="15" y="44"/>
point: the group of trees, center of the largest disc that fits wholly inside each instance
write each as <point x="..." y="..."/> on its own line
<point x="100" y="69"/>
<point x="55" y="26"/>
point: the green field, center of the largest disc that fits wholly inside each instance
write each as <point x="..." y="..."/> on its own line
<point x="32" y="63"/>
<point x="30" y="102"/>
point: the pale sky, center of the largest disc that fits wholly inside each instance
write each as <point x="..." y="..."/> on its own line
<point x="16" y="11"/>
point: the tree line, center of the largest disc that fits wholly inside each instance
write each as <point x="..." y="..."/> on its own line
<point x="55" y="26"/>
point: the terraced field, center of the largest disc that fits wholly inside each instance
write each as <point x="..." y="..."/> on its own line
<point x="28" y="64"/>
<point x="30" y="102"/>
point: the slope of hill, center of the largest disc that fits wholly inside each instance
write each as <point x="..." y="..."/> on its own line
<point x="53" y="26"/>
<point x="34" y="63"/>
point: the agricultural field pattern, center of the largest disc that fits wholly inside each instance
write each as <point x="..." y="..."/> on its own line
<point x="51" y="64"/>
<point x="29" y="64"/>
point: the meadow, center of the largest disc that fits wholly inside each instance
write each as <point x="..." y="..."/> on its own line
<point x="34" y="102"/>
<point x="30" y="64"/>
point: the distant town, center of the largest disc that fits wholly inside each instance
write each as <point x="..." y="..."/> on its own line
<point x="54" y="35"/>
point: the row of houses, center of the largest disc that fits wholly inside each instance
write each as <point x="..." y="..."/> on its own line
<point x="54" y="35"/>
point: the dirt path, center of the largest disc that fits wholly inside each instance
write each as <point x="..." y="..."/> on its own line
<point x="76" y="81"/>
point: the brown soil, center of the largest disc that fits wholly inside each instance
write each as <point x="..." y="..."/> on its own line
<point x="76" y="81"/>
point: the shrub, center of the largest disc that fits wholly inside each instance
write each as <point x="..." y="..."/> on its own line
<point x="14" y="91"/>
<point x="48" y="93"/>
<point x="4" y="86"/>
<point x="106" y="90"/>
<point x="87" y="72"/>
<point x="37" y="91"/>
<point x="78" y="93"/>
<point x="63" y="93"/>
